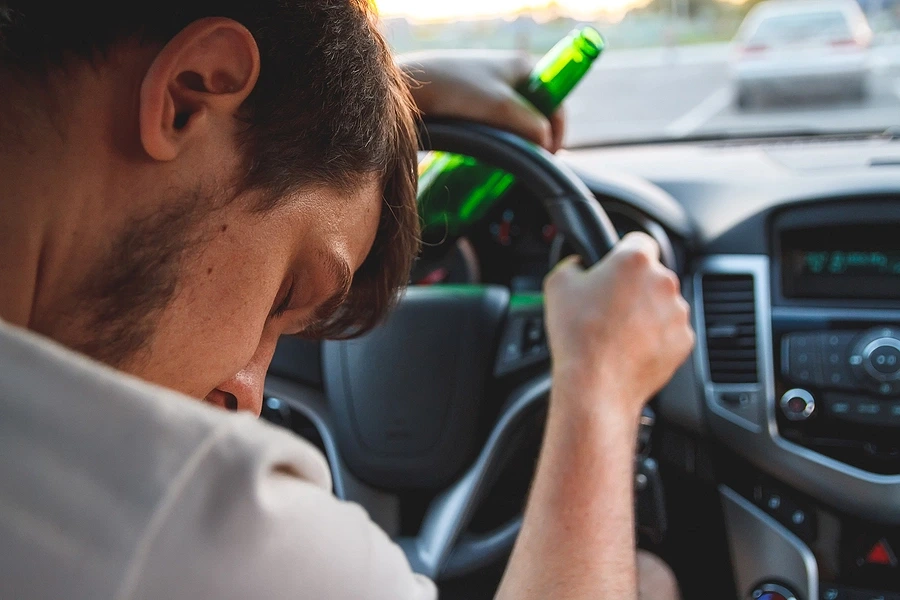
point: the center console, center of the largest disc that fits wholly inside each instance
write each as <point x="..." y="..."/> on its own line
<point x="799" y="354"/>
<point x="837" y="352"/>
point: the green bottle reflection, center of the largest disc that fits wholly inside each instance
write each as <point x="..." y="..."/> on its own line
<point x="456" y="191"/>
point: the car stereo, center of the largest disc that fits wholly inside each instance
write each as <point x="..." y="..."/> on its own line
<point x="836" y="330"/>
<point x="839" y="393"/>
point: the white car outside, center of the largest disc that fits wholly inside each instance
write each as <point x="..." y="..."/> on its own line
<point x="801" y="48"/>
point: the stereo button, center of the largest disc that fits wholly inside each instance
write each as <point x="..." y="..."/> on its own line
<point x="804" y="363"/>
<point x="862" y="409"/>
<point x="836" y="371"/>
<point x="797" y="404"/>
<point x="885" y="360"/>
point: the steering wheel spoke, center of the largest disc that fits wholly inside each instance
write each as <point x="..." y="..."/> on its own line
<point x="523" y="341"/>
<point x="441" y="548"/>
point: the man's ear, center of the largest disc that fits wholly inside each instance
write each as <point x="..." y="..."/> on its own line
<point x="201" y="77"/>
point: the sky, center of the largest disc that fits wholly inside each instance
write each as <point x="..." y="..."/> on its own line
<point x="427" y="10"/>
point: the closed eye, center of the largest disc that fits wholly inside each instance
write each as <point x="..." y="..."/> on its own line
<point x="285" y="304"/>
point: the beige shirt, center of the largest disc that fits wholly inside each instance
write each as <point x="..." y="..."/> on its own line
<point x="114" y="488"/>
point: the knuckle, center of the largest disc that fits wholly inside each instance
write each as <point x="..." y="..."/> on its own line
<point x="669" y="283"/>
<point x="634" y="258"/>
<point x="676" y="283"/>
<point x="638" y="236"/>
<point x="690" y="339"/>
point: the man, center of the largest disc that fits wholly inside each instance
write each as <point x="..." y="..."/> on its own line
<point x="186" y="181"/>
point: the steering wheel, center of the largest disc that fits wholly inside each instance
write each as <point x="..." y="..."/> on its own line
<point x="405" y="398"/>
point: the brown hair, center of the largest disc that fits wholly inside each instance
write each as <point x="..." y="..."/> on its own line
<point x="329" y="107"/>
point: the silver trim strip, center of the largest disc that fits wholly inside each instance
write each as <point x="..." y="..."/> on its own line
<point x="763" y="550"/>
<point x="755" y="435"/>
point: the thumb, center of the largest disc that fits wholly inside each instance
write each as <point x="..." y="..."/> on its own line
<point x="522" y="118"/>
<point x="564" y="271"/>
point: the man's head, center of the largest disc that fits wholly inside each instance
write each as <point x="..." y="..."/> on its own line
<point x="193" y="178"/>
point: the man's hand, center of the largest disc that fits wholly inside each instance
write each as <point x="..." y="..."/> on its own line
<point x="479" y="86"/>
<point x="621" y="326"/>
<point x="617" y="333"/>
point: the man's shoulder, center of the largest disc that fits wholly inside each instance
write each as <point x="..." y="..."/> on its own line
<point x="89" y="457"/>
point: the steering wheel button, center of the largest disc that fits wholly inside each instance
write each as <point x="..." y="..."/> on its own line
<point x="534" y="331"/>
<point x="512" y="352"/>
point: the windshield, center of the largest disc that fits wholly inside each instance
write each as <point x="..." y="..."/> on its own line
<point x="681" y="69"/>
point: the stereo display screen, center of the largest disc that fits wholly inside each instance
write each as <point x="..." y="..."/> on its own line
<point x="846" y="262"/>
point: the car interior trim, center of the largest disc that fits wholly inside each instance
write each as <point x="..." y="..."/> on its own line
<point x="754" y="433"/>
<point x="764" y="550"/>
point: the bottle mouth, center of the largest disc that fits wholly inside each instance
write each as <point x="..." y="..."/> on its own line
<point x="590" y="41"/>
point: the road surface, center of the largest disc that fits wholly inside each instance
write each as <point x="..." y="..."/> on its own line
<point x="686" y="91"/>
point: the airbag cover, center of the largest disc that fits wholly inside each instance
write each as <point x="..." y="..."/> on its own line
<point x="405" y="397"/>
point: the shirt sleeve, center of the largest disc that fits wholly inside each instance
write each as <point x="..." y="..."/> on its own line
<point x="252" y="516"/>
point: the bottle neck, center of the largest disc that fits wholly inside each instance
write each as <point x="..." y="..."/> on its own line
<point x="560" y="70"/>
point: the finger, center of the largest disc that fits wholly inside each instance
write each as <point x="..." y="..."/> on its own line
<point x="641" y="242"/>
<point x="558" y="129"/>
<point x="519" y="116"/>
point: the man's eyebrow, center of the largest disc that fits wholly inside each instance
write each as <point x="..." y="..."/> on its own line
<point x="343" y="278"/>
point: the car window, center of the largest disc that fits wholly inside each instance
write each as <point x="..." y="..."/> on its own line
<point x="689" y="69"/>
<point x="801" y="27"/>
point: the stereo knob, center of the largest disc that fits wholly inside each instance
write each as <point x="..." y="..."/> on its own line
<point x="876" y="359"/>
<point x="797" y="404"/>
<point x="881" y="358"/>
<point x="772" y="591"/>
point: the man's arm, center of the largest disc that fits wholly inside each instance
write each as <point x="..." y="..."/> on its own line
<point x="617" y="333"/>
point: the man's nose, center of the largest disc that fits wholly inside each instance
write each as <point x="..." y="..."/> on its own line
<point x="244" y="390"/>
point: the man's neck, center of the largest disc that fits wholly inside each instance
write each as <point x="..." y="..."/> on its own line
<point x="46" y="175"/>
<point x="24" y="229"/>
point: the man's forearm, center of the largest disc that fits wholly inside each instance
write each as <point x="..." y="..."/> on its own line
<point x="577" y="538"/>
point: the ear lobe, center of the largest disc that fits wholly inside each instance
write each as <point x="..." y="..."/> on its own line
<point x="198" y="81"/>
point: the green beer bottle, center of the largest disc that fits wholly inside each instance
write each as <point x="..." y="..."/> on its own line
<point x="455" y="190"/>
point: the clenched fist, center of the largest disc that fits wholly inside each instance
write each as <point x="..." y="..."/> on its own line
<point x="621" y="326"/>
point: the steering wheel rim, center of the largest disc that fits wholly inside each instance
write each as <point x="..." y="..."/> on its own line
<point x="441" y="550"/>
<point x="572" y="207"/>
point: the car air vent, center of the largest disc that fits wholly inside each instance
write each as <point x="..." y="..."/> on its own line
<point x="730" y="317"/>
